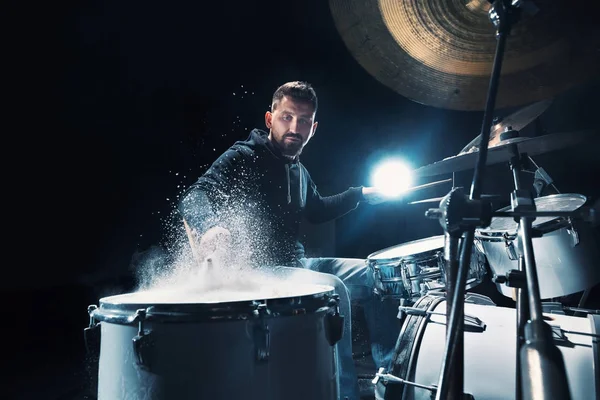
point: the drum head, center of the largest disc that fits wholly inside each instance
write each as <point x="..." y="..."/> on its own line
<point x="555" y="202"/>
<point x="408" y="250"/>
<point x="222" y="304"/>
<point x="217" y="295"/>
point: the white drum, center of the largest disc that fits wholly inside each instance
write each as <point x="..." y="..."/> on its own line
<point x="411" y="269"/>
<point x="277" y="344"/>
<point x="489" y="352"/>
<point x="566" y="255"/>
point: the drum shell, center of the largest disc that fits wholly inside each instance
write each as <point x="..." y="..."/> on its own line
<point x="411" y="275"/>
<point x="401" y="278"/>
<point x="490" y="355"/>
<point x="566" y="258"/>
<point x="217" y="359"/>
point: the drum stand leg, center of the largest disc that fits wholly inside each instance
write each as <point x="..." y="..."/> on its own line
<point x="516" y="280"/>
<point x="451" y="256"/>
<point x="541" y="361"/>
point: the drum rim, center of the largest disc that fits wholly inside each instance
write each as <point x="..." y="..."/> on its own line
<point x="487" y="233"/>
<point x="125" y="313"/>
<point x="371" y="256"/>
<point x="418" y="323"/>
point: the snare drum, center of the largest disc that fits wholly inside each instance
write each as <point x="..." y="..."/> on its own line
<point x="409" y="270"/>
<point x="276" y="344"/>
<point x="566" y="256"/>
<point x="489" y="352"/>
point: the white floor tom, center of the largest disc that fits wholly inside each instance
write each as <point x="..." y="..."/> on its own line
<point x="566" y="255"/>
<point x="277" y="344"/>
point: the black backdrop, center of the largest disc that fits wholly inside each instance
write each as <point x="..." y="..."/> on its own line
<point x="128" y="102"/>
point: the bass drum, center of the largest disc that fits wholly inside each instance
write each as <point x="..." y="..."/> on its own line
<point x="489" y="352"/>
<point x="277" y="343"/>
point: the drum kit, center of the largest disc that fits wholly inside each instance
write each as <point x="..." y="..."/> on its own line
<point x="453" y="344"/>
<point x="564" y="249"/>
<point x="537" y="248"/>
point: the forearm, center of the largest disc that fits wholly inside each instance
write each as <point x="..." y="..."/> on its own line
<point x="198" y="210"/>
<point x="326" y="208"/>
<point x="203" y="202"/>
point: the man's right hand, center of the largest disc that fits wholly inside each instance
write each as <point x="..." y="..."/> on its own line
<point x="215" y="241"/>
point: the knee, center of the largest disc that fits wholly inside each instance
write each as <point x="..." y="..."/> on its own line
<point x="337" y="283"/>
<point x="318" y="278"/>
<point x="339" y="287"/>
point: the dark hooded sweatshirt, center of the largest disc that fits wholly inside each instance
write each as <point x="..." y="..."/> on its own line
<point x="262" y="197"/>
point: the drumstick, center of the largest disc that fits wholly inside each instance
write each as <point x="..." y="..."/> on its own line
<point x="426" y="185"/>
<point x="190" y="235"/>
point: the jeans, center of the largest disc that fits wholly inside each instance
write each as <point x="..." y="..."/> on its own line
<point x="353" y="281"/>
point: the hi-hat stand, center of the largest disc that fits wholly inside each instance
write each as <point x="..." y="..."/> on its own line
<point x="540" y="365"/>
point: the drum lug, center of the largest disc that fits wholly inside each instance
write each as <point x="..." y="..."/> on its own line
<point x="474" y="324"/>
<point x="334" y="322"/>
<point x="378" y="289"/>
<point x="262" y="335"/>
<point x="480" y="299"/>
<point x="142" y="341"/>
<point x="479" y="246"/>
<point x="407" y="279"/>
<point x="510" y="249"/>
<point x="91" y="334"/>
<point x="573" y="233"/>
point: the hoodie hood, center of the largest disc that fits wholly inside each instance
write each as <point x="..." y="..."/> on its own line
<point x="259" y="140"/>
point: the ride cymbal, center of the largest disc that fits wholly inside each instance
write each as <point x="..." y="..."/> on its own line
<point x="441" y="52"/>
<point x="502" y="151"/>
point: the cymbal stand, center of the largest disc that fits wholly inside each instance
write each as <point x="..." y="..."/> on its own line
<point x="459" y="216"/>
<point x="539" y="361"/>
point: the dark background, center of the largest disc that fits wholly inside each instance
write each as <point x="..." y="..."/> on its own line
<point x="131" y="101"/>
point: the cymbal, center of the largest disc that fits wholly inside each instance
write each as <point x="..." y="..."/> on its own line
<point x="516" y="121"/>
<point x="501" y="152"/>
<point x="441" y="52"/>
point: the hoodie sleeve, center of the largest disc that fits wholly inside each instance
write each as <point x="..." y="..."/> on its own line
<point x="321" y="209"/>
<point x="204" y="202"/>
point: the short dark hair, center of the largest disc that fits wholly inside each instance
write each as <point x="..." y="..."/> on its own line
<point x="297" y="90"/>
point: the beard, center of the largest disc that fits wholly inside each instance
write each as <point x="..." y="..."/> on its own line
<point x="290" y="148"/>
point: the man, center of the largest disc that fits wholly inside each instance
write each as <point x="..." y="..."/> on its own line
<point x="251" y="201"/>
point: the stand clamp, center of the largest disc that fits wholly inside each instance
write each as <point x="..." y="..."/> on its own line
<point x="457" y="212"/>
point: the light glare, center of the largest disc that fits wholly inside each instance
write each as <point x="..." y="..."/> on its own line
<point x="392" y="178"/>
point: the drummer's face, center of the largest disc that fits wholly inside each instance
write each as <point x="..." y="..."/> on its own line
<point x="291" y="125"/>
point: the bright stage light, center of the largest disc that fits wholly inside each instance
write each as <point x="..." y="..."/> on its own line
<point x="392" y="178"/>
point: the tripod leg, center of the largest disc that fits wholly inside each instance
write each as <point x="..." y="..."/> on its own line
<point x="543" y="371"/>
<point x="522" y="317"/>
<point x="456" y="375"/>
